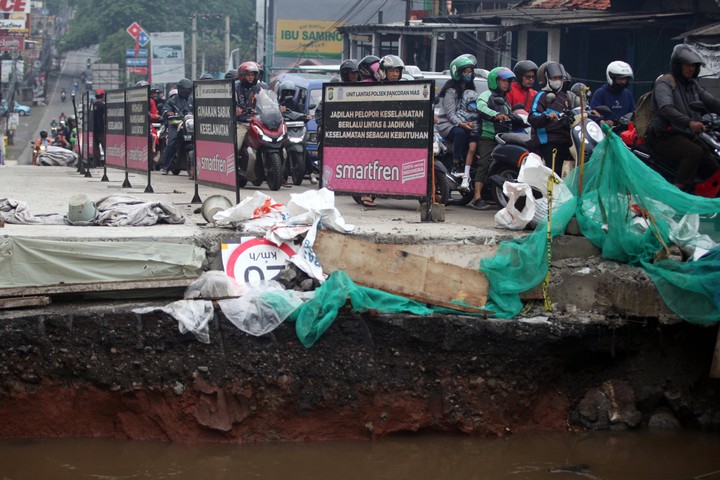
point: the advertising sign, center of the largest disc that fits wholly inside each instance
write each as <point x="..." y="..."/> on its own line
<point x="137" y="128"/>
<point x="136" y="62"/>
<point x="168" y="56"/>
<point x="115" y="129"/>
<point x="14" y="6"/>
<point x="378" y="138"/>
<point x="215" y="133"/>
<point x="12" y="43"/>
<point x="142" y="52"/>
<point x="308" y="38"/>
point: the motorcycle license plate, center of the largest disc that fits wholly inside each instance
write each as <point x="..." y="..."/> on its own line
<point x="188" y="138"/>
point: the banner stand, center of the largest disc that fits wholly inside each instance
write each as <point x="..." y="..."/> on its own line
<point x="148" y="187"/>
<point x="126" y="183"/>
<point x="104" y="177"/>
<point x="196" y="198"/>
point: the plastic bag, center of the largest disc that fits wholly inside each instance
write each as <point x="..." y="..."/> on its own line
<point x="520" y="208"/>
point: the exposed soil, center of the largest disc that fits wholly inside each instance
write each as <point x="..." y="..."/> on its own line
<point x="100" y="374"/>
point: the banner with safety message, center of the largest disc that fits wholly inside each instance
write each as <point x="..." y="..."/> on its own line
<point x="215" y="133"/>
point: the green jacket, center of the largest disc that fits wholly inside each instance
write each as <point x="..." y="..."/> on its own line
<point x="489" y="105"/>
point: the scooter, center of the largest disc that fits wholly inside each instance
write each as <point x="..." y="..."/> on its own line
<point x="185" y="159"/>
<point x="295" y="149"/>
<point x="63" y="96"/>
<point x="266" y="136"/>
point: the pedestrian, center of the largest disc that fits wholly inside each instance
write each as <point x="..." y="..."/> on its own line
<point x="99" y="121"/>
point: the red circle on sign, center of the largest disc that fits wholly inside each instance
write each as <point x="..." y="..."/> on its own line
<point x="230" y="271"/>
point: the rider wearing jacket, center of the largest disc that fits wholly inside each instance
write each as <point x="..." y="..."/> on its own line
<point x="545" y="118"/>
<point x="614" y="94"/>
<point x="674" y="126"/>
<point x="521" y="91"/>
<point x="245" y="90"/>
<point x="175" y="108"/>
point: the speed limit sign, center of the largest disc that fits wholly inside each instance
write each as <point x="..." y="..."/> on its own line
<point x="255" y="260"/>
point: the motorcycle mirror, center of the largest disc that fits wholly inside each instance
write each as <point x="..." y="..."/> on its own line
<point x="603" y="109"/>
<point x="312" y="105"/>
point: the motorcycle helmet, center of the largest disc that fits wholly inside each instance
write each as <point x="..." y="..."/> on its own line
<point x="578" y="87"/>
<point x="498" y="73"/>
<point x="286" y="89"/>
<point x="173" y="91"/>
<point x="368" y="68"/>
<point x="184" y="87"/>
<point x="142" y="83"/>
<point x="249" y="67"/>
<point x="617" y="69"/>
<point x="231" y="74"/>
<point x="461" y="62"/>
<point x="549" y="70"/>
<point x="523" y="67"/>
<point x="348" y="66"/>
<point x="684" y="54"/>
<point x="43" y="134"/>
<point x="390" y="61"/>
<point x="71" y="119"/>
<point x="155" y="89"/>
<point x="99" y="93"/>
<point x="206" y="76"/>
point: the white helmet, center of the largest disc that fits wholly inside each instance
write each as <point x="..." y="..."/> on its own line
<point x="617" y="69"/>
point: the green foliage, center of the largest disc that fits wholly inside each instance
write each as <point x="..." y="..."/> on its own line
<point x="104" y="22"/>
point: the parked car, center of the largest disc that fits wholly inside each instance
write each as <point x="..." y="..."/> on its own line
<point x="21" y="109"/>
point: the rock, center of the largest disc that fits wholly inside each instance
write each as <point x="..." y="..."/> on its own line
<point x="664" y="420"/>
<point x="610" y="407"/>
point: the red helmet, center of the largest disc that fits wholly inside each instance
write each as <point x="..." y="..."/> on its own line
<point x="99" y="92"/>
<point x="249" y="67"/>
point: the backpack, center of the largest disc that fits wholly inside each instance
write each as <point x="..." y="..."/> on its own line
<point x="644" y="108"/>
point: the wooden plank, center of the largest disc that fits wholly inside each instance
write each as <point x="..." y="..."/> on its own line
<point x="66" y="288"/>
<point x="402" y="273"/>
<point x="19" y="302"/>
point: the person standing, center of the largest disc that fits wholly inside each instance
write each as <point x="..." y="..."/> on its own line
<point x="99" y="121"/>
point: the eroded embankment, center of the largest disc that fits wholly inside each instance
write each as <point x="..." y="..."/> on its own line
<point x="109" y="375"/>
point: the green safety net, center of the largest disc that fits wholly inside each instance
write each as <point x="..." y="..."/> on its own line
<point x="632" y="214"/>
<point x="313" y="318"/>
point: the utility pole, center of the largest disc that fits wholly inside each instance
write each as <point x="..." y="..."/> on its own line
<point x="193" y="70"/>
<point x="227" y="36"/>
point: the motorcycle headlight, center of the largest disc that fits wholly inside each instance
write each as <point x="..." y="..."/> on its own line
<point x="190" y="125"/>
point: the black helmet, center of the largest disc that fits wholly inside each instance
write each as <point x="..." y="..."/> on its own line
<point x="349" y="65"/>
<point x="523" y="67"/>
<point x="548" y="70"/>
<point x="231" y="74"/>
<point x="155" y="89"/>
<point x="390" y="61"/>
<point x="368" y="68"/>
<point x="684" y="54"/>
<point x="286" y="88"/>
<point x="43" y="134"/>
<point x="184" y="87"/>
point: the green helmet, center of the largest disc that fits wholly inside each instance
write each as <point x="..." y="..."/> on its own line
<point x="498" y="73"/>
<point x="457" y="65"/>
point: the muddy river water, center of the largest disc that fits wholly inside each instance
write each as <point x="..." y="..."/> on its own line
<point x="631" y="456"/>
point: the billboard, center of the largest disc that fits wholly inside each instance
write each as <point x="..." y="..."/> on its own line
<point x="14" y="6"/>
<point x="308" y="39"/>
<point x="168" y="56"/>
<point x="215" y="133"/>
<point x="378" y="138"/>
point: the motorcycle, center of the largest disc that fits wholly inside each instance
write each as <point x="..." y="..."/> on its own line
<point x="707" y="184"/>
<point x="503" y="163"/>
<point x="38" y="149"/>
<point x="185" y="159"/>
<point x="295" y="149"/>
<point x="63" y="96"/>
<point x="266" y="136"/>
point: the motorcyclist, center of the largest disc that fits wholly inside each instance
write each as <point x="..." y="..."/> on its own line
<point x="614" y="94"/>
<point x="63" y="95"/>
<point x="390" y="68"/>
<point x="39" y="143"/>
<point x="155" y="117"/>
<point x="245" y="91"/>
<point x="286" y="97"/>
<point x="550" y="103"/>
<point x="450" y="125"/>
<point x="493" y="107"/>
<point x="368" y="69"/>
<point x="156" y="93"/>
<point x="70" y="131"/>
<point x="349" y="70"/>
<point x="175" y="108"/>
<point x="521" y="91"/>
<point x="674" y="126"/>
